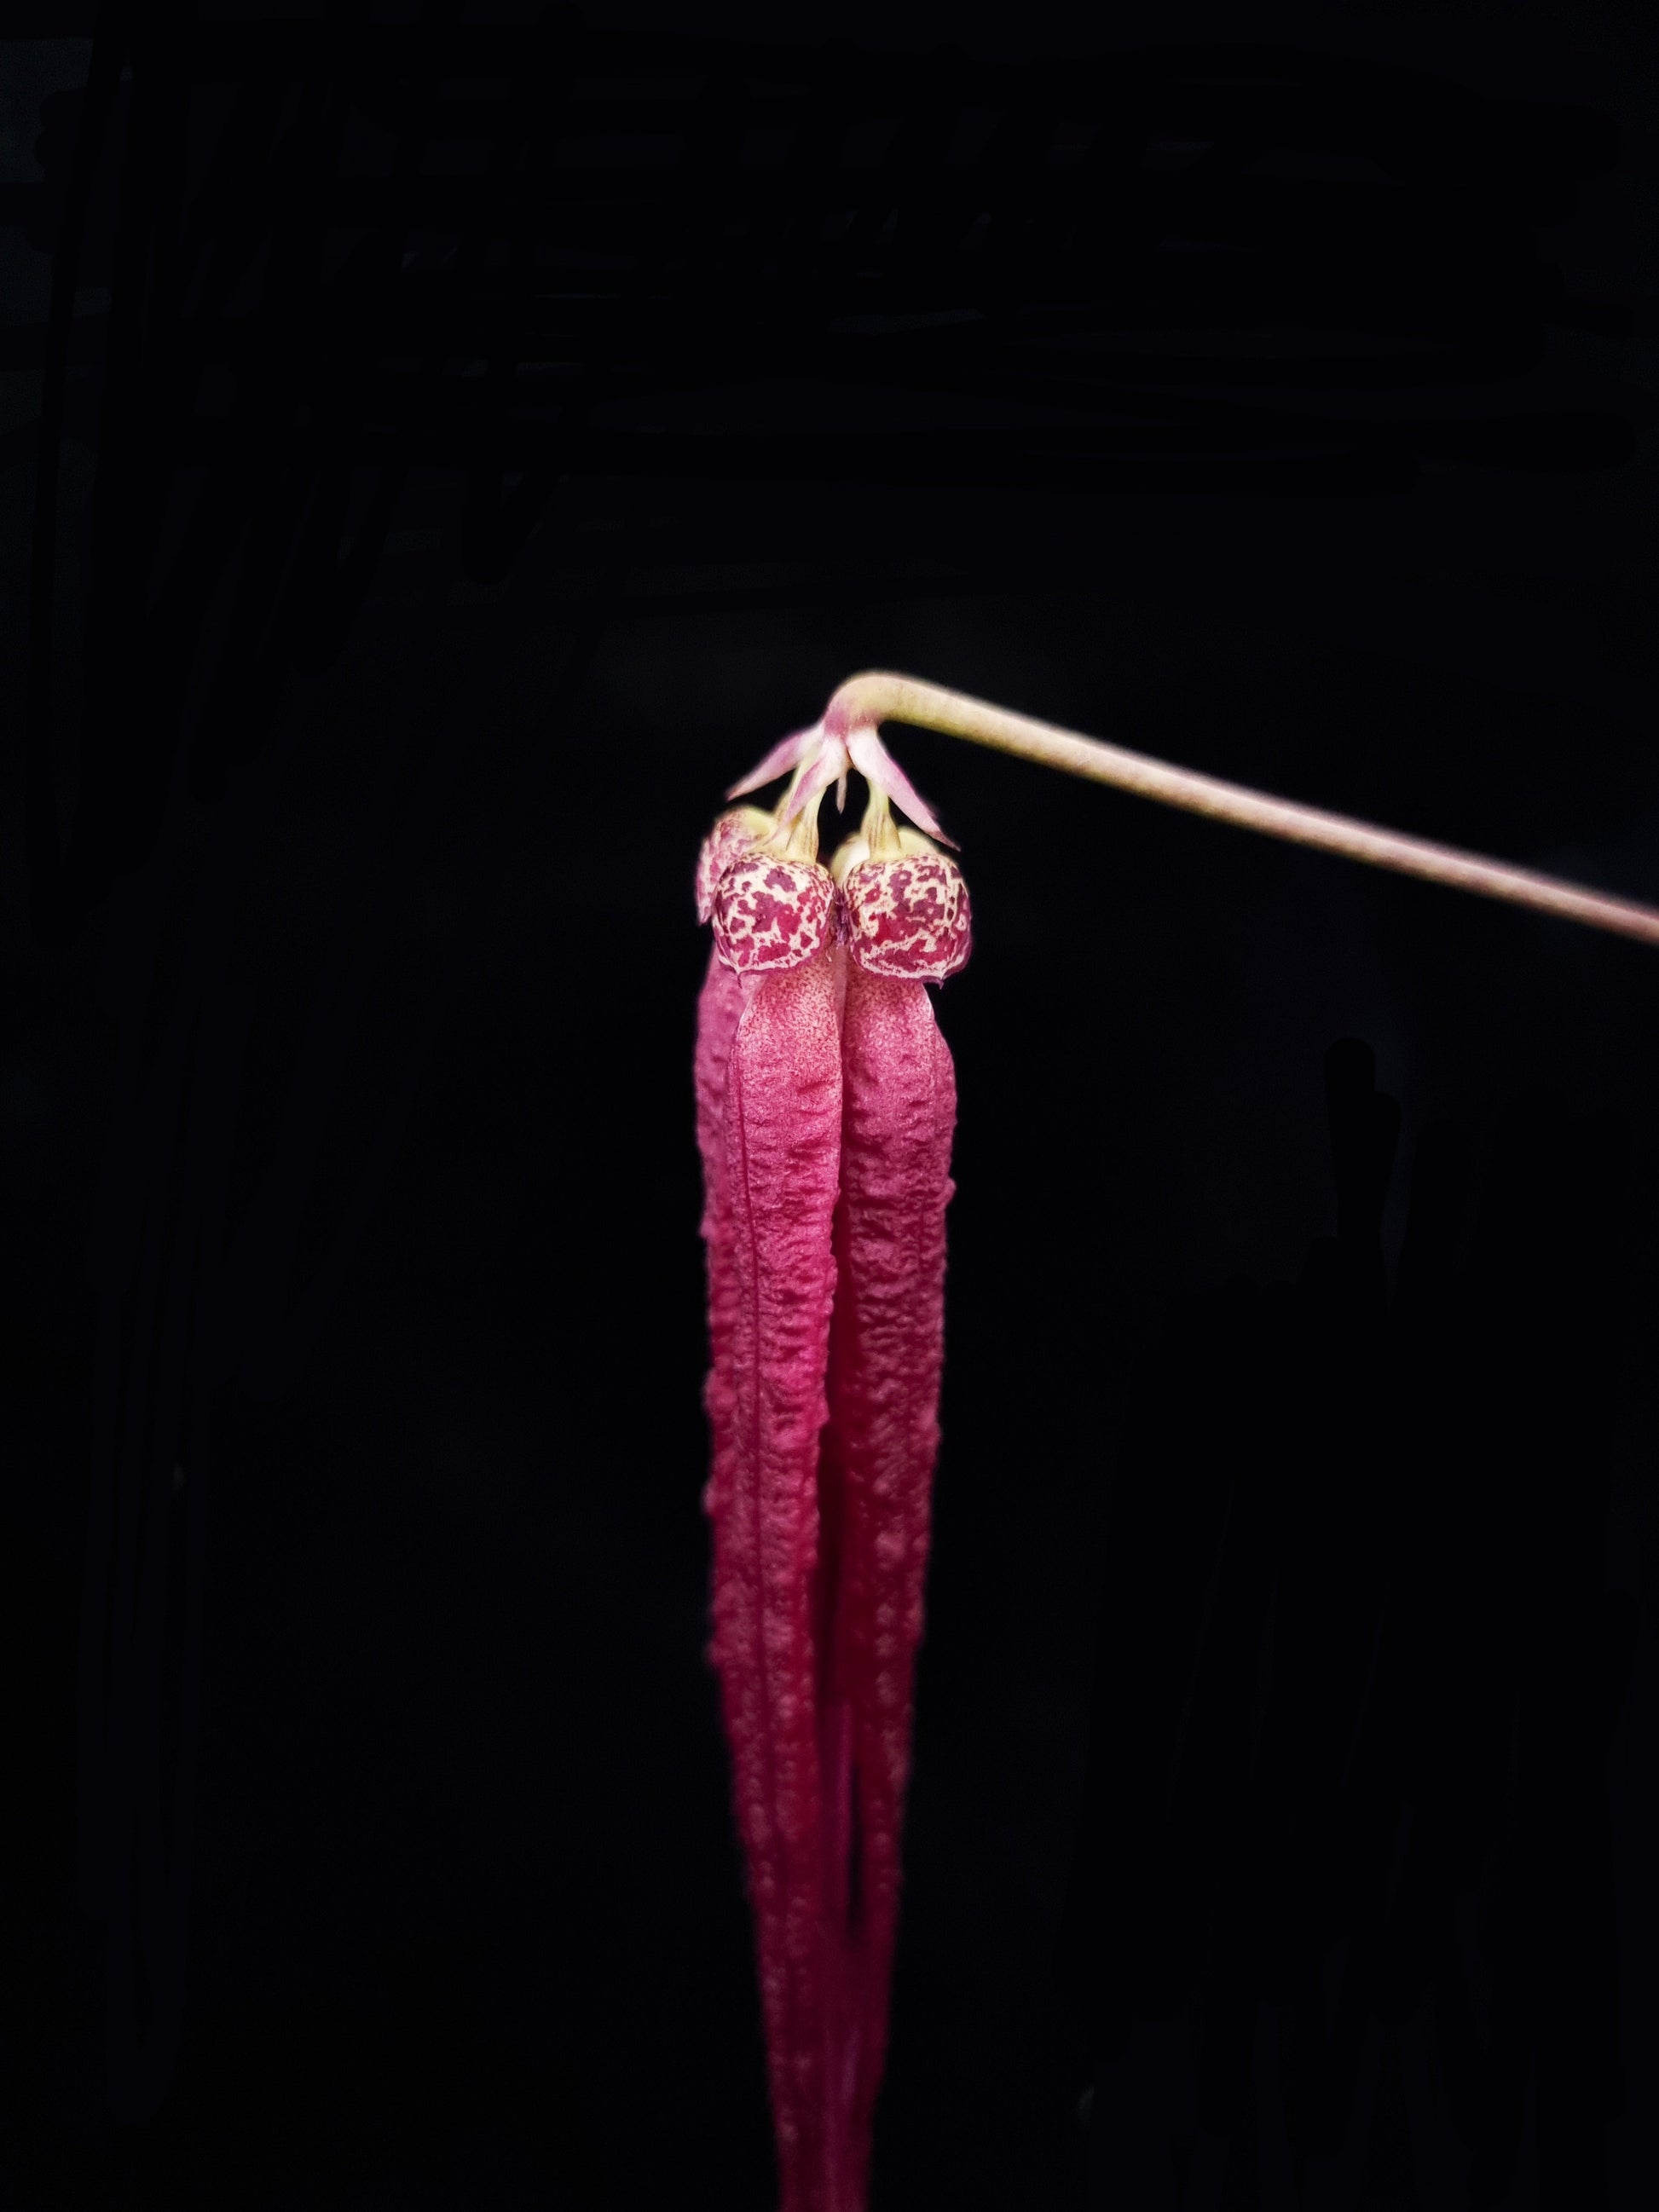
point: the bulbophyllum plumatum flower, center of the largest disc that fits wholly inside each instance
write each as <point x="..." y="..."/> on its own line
<point x="826" y="1106"/>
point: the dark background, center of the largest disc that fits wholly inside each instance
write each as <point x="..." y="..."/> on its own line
<point x="1274" y="1647"/>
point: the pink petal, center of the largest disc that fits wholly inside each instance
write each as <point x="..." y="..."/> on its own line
<point x="830" y="767"/>
<point x="785" y="755"/>
<point x="876" y="766"/>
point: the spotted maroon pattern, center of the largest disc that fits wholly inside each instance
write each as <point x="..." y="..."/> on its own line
<point x="908" y="918"/>
<point x="771" y="914"/>
<point x="733" y="834"/>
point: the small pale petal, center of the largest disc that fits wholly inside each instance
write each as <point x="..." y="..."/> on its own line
<point x="876" y="766"/>
<point x="787" y="754"/>
<point x="830" y="767"/>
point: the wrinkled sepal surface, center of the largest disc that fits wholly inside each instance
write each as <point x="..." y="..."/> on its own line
<point x="770" y="915"/>
<point x="907" y="919"/>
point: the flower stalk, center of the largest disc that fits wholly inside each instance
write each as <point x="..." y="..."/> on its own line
<point x="863" y="701"/>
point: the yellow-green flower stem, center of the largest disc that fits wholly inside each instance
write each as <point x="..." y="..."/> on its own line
<point x="876" y="696"/>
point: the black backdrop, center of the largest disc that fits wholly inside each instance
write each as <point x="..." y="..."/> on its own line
<point x="1270" y="392"/>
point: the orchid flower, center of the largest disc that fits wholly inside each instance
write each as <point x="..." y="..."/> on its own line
<point x="826" y="1107"/>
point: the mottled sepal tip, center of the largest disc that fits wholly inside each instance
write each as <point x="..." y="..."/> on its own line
<point x="907" y="919"/>
<point x="771" y="913"/>
<point x="737" y="832"/>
